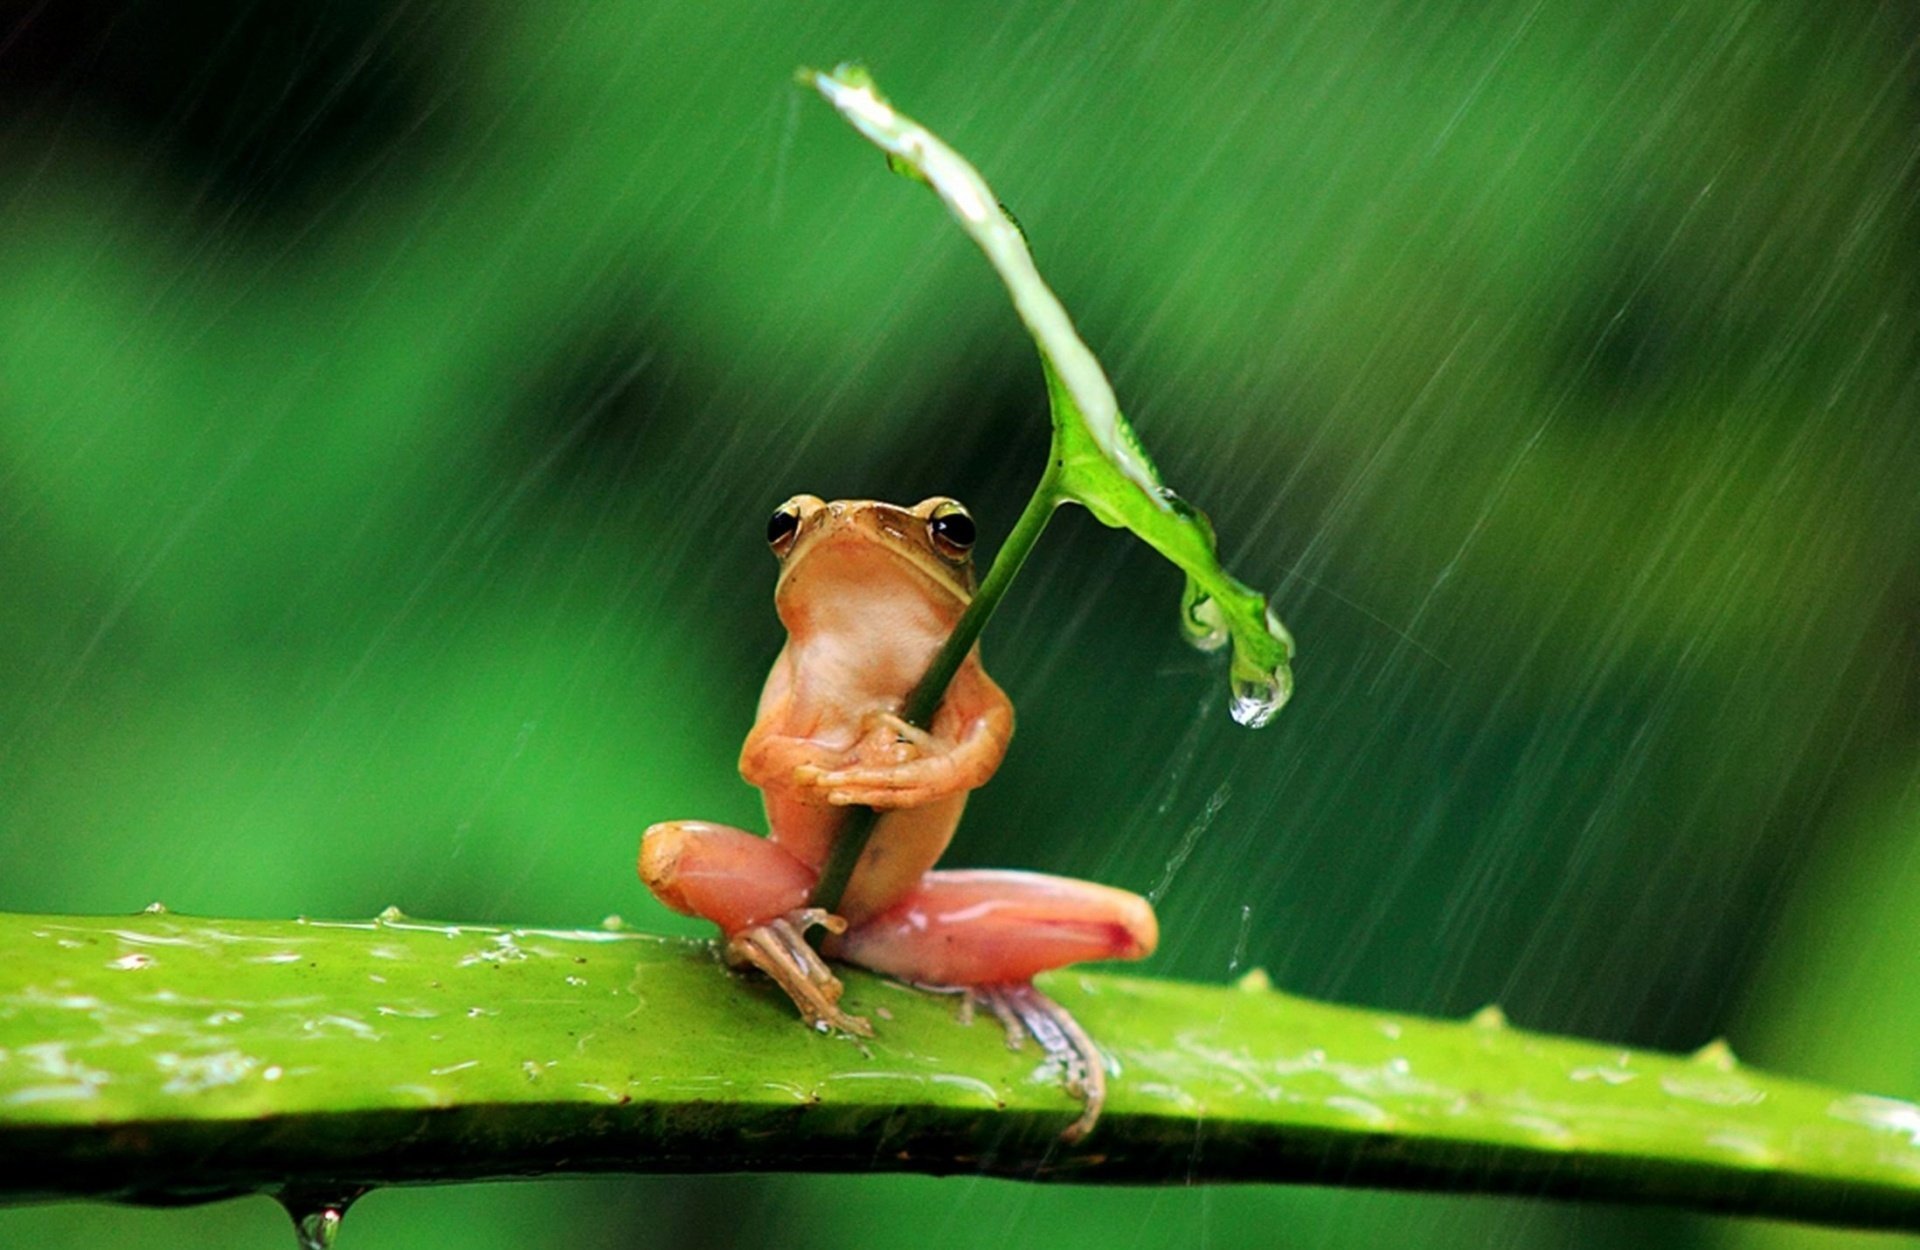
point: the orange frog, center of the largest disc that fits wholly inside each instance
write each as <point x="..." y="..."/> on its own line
<point x="868" y="592"/>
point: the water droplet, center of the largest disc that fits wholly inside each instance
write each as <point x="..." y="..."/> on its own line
<point x="613" y="924"/>
<point x="1888" y="1114"/>
<point x="155" y="908"/>
<point x="1260" y="691"/>
<point x="1488" y="1017"/>
<point x="1551" y="1131"/>
<point x="1716" y="1054"/>
<point x="1372" y="1115"/>
<point x="1721" y="1088"/>
<point x="1257" y="699"/>
<point x="316" y="1215"/>
<point x="1180" y="507"/>
<point x="1747" y="1148"/>
<point x="1256" y="981"/>
<point x="391" y="914"/>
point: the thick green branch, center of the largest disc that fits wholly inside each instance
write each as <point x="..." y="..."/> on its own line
<point x="162" y="1058"/>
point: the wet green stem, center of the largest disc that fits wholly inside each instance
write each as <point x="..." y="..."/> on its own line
<point x="925" y="699"/>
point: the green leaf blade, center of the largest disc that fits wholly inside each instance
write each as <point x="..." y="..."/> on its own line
<point x="1215" y="607"/>
<point x="1098" y="460"/>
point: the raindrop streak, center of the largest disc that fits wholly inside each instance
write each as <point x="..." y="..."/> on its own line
<point x="317" y="1220"/>
<point x="1189" y="840"/>
<point x="1240" y="943"/>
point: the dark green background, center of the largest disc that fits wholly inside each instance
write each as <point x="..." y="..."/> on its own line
<point x="392" y="395"/>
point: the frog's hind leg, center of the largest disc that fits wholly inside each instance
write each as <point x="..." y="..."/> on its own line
<point x="756" y="891"/>
<point x="991" y="932"/>
<point x="996" y="927"/>
<point x="1024" y="1012"/>
<point x="779" y="948"/>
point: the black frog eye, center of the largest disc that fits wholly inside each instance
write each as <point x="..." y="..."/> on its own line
<point x="952" y="531"/>
<point x="782" y="526"/>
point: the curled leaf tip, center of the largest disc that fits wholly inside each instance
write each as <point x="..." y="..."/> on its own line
<point x="1097" y="460"/>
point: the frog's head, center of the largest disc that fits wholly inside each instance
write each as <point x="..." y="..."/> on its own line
<point x="861" y="552"/>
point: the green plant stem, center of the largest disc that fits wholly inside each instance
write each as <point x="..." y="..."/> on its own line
<point x="924" y="701"/>
<point x="162" y="1059"/>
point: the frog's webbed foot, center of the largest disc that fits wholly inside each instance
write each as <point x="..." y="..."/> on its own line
<point x="778" y="947"/>
<point x="1024" y="1012"/>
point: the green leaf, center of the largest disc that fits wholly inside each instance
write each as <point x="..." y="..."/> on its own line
<point x="157" y="1057"/>
<point x="1097" y="459"/>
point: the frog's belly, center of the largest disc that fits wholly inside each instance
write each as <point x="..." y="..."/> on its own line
<point x="905" y="845"/>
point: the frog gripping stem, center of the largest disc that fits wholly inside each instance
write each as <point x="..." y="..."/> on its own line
<point x="779" y="948"/>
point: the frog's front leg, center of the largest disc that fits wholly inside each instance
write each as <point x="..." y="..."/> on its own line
<point x="991" y="932"/>
<point x="896" y="765"/>
<point x="756" y="891"/>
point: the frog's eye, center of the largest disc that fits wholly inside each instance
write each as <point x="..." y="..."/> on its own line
<point x="782" y="527"/>
<point x="951" y="529"/>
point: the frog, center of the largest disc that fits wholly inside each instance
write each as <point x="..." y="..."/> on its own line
<point x="868" y="592"/>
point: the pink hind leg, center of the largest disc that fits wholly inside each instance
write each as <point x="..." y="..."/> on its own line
<point x="987" y="927"/>
<point x="729" y="876"/>
<point x="756" y="891"/>
<point x="992" y="932"/>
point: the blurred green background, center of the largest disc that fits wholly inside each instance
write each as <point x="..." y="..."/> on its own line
<point x="392" y="397"/>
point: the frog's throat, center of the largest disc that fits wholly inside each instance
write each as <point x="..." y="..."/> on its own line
<point x="953" y="584"/>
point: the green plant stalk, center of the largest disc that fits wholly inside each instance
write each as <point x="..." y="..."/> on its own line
<point x="924" y="701"/>
<point x="163" y="1059"/>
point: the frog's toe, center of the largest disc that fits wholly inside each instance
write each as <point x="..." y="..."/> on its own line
<point x="1025" y="1012"/>
<point x="779" y="948"/>
<point x="915" y="783"/>
<point x="856" y="786"/>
